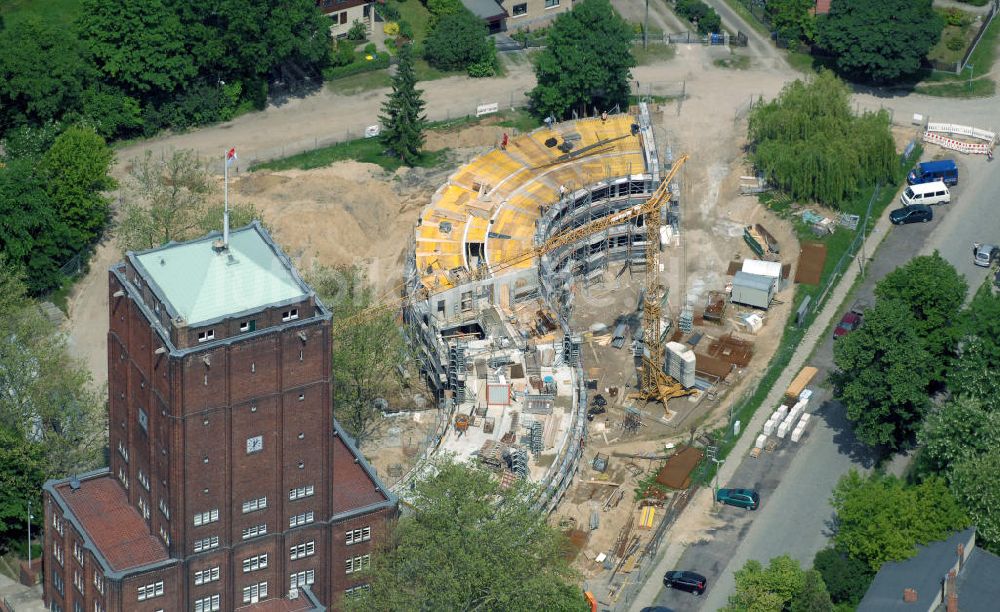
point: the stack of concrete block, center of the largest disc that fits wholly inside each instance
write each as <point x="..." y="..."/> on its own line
<point x="761" y="440"/>
<point x="783" y="429"/>
<point x="800" y="428"/>
<point x="681" y="363"/>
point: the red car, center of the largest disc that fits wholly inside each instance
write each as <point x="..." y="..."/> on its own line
<point x="848" y="323"/>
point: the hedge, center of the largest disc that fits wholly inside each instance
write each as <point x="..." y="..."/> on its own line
<point x="362" y="65"/>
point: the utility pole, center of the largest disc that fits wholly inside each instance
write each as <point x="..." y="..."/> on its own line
<point x="29" y="536"/>
<point x="645" y="28"/>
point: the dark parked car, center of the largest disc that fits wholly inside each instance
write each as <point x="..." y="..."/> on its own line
<point x="848" y="323"/>
<point x="911" y="214"/>
<point x="741" y="498"/>
<point x="686" y="581"/>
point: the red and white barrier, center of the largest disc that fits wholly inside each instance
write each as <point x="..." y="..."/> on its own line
<point x="935" y="134"/>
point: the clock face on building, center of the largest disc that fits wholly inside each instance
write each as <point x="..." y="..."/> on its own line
<point x="255" y="444"/>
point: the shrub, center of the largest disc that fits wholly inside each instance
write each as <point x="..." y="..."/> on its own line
<point x="391" y="28"/>
<point x="370" y="49"/>
<point x="955" y="44"/>
<point x="381" y="60"/>
<point x="343" y="54"/>
<point x="458" y="41"/>
<point x="955" y="17"/>
<point x="358" y="31"/>
<point x="388" y="11"/>
<point x="405" y="29"/>
<point x="483" y="69"/>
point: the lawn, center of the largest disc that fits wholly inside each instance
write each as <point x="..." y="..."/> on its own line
<point x="955" y="39"/>
<point x="417" y="15"/>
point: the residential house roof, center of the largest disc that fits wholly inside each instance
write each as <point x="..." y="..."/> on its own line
<point x="357" y="488"/>
<point x="485" y="9"/>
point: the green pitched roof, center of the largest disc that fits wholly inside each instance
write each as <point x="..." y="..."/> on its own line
<point x="200" y="284"/>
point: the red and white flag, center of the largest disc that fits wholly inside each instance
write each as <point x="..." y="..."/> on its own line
<point x="230" y="156"/>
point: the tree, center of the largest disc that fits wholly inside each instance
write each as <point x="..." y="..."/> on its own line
<point x="760" y="590"/>
<point x="809" y="144"/>
<point x="793" y="20"/>
<point x="472" y="544"/>
<point x="402" y="120"/>
<point x="974" y="369"/>
<point x="164" y="200"/>
<point x="882" y="377"/>
<point x="458" y="41"/>
<point x="21" y="480"/>
<point x="77" y="170"/>
<point x="42" y="73"/>
<point x="47" y="400"/>
<point x="586" y="61"/>
<point x="879" y="41"/>
<point x="813" y="597"/>
<point x="880" y="518"/>
<point x="975" y="482"/>
<point x="959" y="430"/>
<point x="845" y="578"/>
<point x="139" y="45"/>
<point x="365" y="353"/>
<point x="930" y="288"/>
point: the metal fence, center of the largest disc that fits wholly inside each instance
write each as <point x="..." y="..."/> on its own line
<point x="511" y="100"/>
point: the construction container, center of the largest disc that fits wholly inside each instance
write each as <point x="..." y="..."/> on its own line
<point x="681" y="364"/>
<point x="753" y="289"/>
<point x="800" y="382"/>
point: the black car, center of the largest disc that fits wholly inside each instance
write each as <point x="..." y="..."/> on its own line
<point x="911" y="214"/>
<point x="685" y="581"/>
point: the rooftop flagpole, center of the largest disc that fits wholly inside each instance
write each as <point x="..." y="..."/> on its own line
<point x="229" y="158"/>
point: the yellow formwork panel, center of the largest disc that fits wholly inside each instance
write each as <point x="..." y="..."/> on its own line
<point x="477" y="230"/>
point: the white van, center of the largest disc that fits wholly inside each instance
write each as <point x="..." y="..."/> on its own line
<point x="926" y="193"/>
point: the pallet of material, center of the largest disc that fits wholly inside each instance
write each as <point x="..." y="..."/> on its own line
<point x="800" y="382"/>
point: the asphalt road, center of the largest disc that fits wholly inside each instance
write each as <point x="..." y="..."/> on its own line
<point x="796" y="480"/>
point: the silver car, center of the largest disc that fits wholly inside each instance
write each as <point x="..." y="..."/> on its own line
<point x="985" y="254"/>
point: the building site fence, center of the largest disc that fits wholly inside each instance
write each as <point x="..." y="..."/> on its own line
<point x="511" y="100"/>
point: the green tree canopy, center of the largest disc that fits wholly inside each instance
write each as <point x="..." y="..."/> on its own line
<point x="458" y="41"/>
<point x="881" y="518"/>
<point x="586" y="61"/>
<point x="793" y="20"/>
<point x="809" y="144"/>
<point x="76" y="172"/>
<point x="402" y="116"/>
<point x="32" y="235"/>
<point x="469" y="545"/>
<point x="959" y="430"/>
<point x="783" y="585"/>
<point x="365" y="353"/>
<point x="880" y="41"/>
<point x="933" y="291"/>
<point x="846" y="579"/>
<point x="43" y="73"/>
<point x="974" y="369"/>
<point x="975" y="482"/>
<point x="883" y="373"/>
<point x="22" y="474"/>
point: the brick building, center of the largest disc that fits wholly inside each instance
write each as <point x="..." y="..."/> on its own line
<point x="230" y="485"/>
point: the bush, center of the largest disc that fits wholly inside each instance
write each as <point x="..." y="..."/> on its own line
<point x="388" y="11"/>
<point x="956" y="17"/>
<point x="358" y="31"/>
<point x="343" y="54"/>
<point x="955" y="44"/>
<point x="483" y="69"/>
<point x="699" y="13"/>
<point x="370" y="49"/>
<point x="405" y="29"/>
<point x="459" y="41"/>
<point x="381" y="60"/>
<point x="846" y="579"/>
<point x="391" y="28"/>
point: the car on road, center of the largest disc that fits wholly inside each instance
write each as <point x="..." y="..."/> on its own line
<point x="848" y="323"/>
<point x="985" y="254"/>
<point x="684" y="580"/>
<point x="911" y="214"/>
<point x="741" y="498"/>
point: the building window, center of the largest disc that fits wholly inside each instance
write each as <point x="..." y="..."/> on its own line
<point x="205" y="336"/>
<point x="123" y="451"/>
<point x="164" y="509"/>
<point x="343" y="18"/>
<point x="255" y="592"/>
<point x="256" y="530"/>
<point x="206" y="575"/>
<point x="356" y="591"/>
<point x="144" y="508"/>
<point x="143" y="420"/>
<point x="551" y="3"/>
<point x="57" y="582"/>
<point x="300" y="492"/>
<point x="78" y="552"/>
<point x="355" y="536"/>
<point x="123" y="477"/>
<point x="207" y="604"/>
<point x="150" y="591"/>
<point x="204" y="518"/>
<point x="78" y="580"/>
<point x="164" y="536"/>
<point x="98" y="607"/>
<point x="520" y="9"/>
<point x="57" y="552"/>
<point x="248" y="326"/>
<point x="301" y="519"/>
<point x="290" y="315"/>
<point x="206" y="543"/>
<point x="143" y="480"/>
<point x="301" y="579"/>
<point x="255" y="563"/>
<point x="99" y="583"/>
<point x="254" y="504"/>
<point x="57" y="524"/>
<point x="255" y="444"/>
<point x="358" y="563"/>
<point x="300" y="551"/>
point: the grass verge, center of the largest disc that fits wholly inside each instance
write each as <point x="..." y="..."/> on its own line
<point x="836" y="244"/>
<point x="735" y="61"/>
<point x="976" y="88"/>
<point x="654" y="53"/>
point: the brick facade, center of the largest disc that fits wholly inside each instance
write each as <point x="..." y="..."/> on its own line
<point x="224" y="452"/>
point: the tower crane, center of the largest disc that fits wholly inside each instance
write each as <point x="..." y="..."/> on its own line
<point x="654" y="383"/>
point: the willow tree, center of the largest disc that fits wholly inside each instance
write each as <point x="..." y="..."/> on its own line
<point x="809" y="143"/>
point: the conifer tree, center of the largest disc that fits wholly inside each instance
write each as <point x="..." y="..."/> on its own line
<point x="402" y="121"/>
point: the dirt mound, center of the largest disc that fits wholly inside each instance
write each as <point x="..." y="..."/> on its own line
<point x="472" y="136"/>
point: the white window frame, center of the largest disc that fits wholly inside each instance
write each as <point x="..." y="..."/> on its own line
<point x="254" y="531"/>
<point x="208" y="604"/>
<point x="255" y="592"/>
<point x="206" y="517"/>
<point x="551" y="4"/>
<point x="301" y="519"/>
<point x="207" y="335"/>
<point x="303" y="550"/>
<point x="206" y="543"/>
<point x="300" y="492"/>
<point x="254" y="563"/>
<point x="355" y="591"/>
<point x="290" y="315"/>
<point x="356" y="536"/>
<point x="357" y="564"/>
<point x="150" y="590"/>
<point x="210" y="574"/>
<point x="253" y="505"/>
<point x="301" y="579"/>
